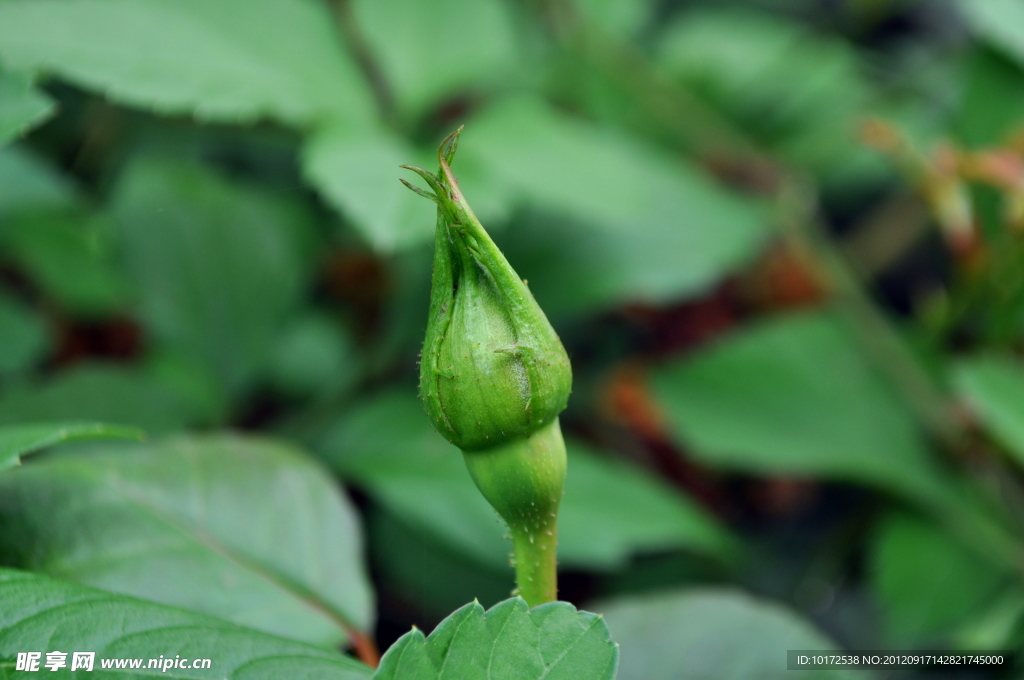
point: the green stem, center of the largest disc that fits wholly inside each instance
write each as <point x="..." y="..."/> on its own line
<point x="524" y="480"/>
<point x="536" y="565"/>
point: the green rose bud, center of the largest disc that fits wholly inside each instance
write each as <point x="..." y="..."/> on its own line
<point x="493" y="369"/>
<point x="494" y="377"/>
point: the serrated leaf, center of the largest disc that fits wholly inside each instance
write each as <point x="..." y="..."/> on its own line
<point x="1000" y="22"/>
<point x="42" y="614"/>
<point x="674" y="231"/>
<point x="98" y="392"/>
<point x="357" y="171"/>
<point x="401" y="32"/>
<point x="22" y="107"/>
<point x="710" y="634"/>
<point x="508" y="642"/>
<point x="794" y="395"/>
<point x="993" y="385"/>
<point x="216" y="267"/>
<point x="20" y="440"/>
<point x="248" y="530"/>
<point x="610" y="510"/>
<point x="926" y="582"/>
<point x="226" y="61"/>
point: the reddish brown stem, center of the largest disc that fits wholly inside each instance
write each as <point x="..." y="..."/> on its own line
<point x="365" y="648"/>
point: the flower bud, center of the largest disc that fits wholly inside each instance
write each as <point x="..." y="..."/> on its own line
<point x="493" y="369"/>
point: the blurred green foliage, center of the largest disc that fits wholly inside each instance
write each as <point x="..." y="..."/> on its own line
<point x="781" y="240"/>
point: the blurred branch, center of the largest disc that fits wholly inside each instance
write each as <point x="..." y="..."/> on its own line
<point x="689" y="122"/>
<point x="885" y="235"/>
<point x="960" y="510"/>
<point x="884" y="343"/>
<point x="363" y="56"/>
<point x="669" y="112"/>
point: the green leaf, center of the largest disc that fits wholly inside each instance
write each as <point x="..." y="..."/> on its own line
<point x="993" y="386"/>
<point x="28" y="183"/>
<point x="610" y="510"/>
<point x="24" y="336"/>
<point x="928" y="585"/>
<point x="1000" y="22"/>
<point x="710" y="634"/>
<point x="401" y="34"/>
<point x="613" y="510"/>
<point x="20" y="440"/>
<point x="22" y="107"/>
<point x="795" y="396"/>
<point x="224" y="61"/>
<point x="508" y="642"/>
<point x="315" y="356"/>
<point x="388" y="446"/>
<point x="99" y="392"/>
<point x="622" y="18"/>
<point x="424" y="572"/>
<point x="995" y="627"/>
<point x="672" y="229"/>
<point x="216" y="267"/>
<point x="71" y="259"/>
<point x="201" y="396"/>
<point x="357" y="171"/>
<point x="992" y="103"/>
<point x="795" y="90"/>
<point x="42" y="614"/>
<point x="248" y="530"/>
<point x="606" y="268"/>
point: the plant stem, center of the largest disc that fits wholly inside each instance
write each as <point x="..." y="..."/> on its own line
<point x="364" y="647"/>
<point x="869" y="325"/>
<point x="363" y="57"/>
<point x="536" y="565"/>
<point x="524" y="480"/>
